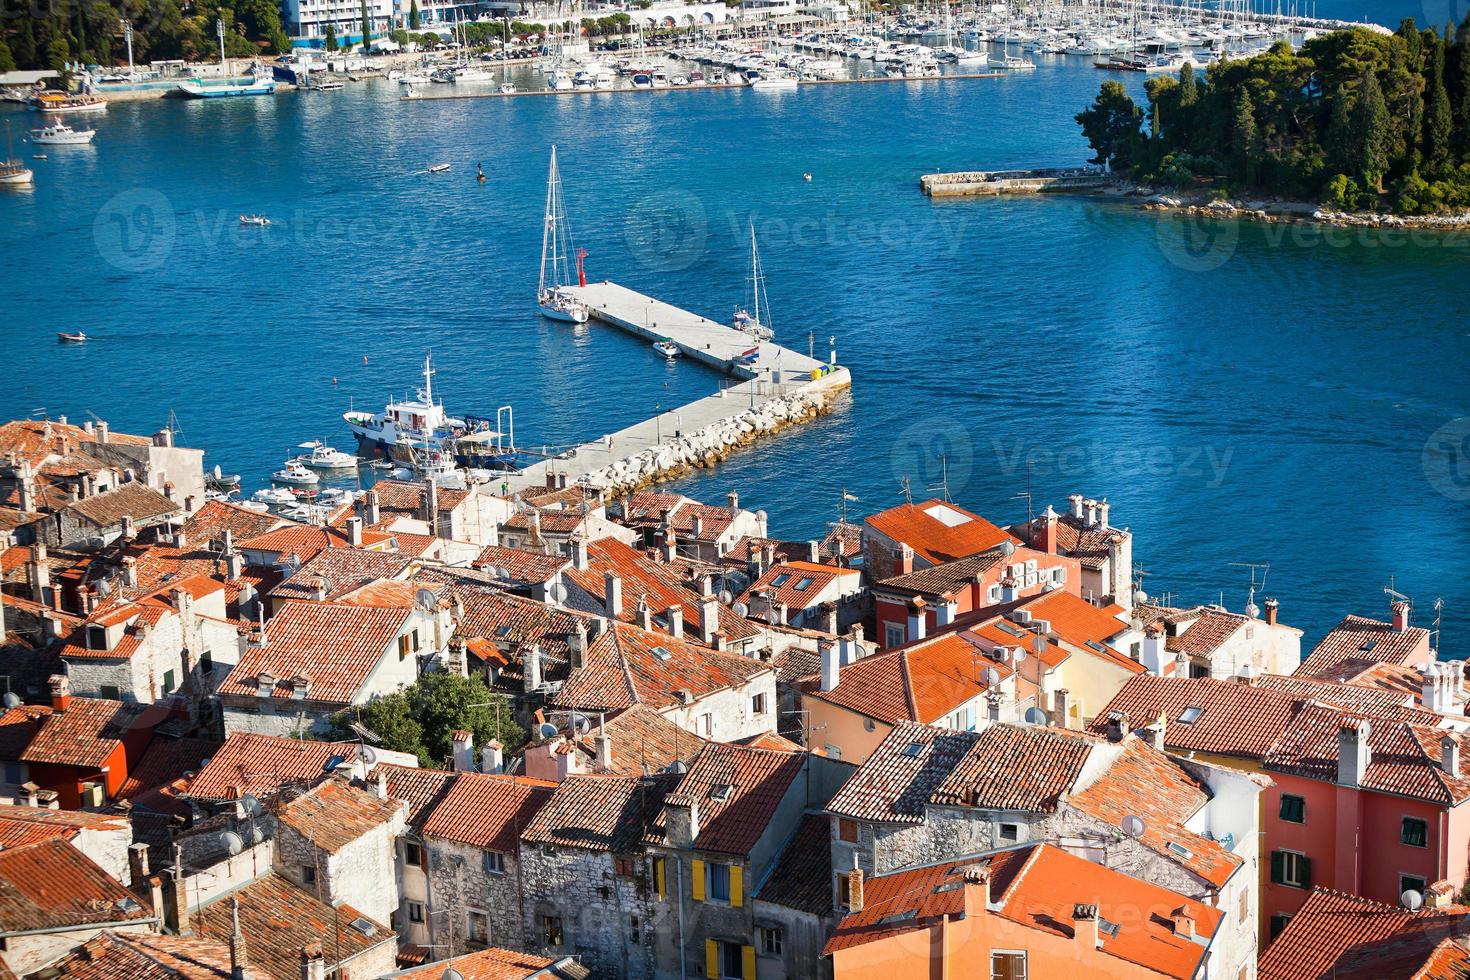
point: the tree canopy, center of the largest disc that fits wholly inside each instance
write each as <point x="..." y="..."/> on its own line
<point x="421" y="718"/>
<point x="1355" y="118"/>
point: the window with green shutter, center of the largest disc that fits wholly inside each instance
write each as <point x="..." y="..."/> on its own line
<point x="1415" y="832"/>
<point x="1291" y="868"/>
<point x="1293" y="809"/>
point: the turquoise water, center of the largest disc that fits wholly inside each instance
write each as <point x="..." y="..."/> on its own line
<point x="1240" y="393"/>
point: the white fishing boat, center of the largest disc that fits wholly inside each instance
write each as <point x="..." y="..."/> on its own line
<point x="63" y="102"/>
<point x="751" y="318"/>
<point x="296" y="475"/>
<point x="667" y="348"/>
<point x="274" y="497"/>
<point x="772" y="80"/>
<point x="556" y="247"/>
<point x="323" y="457"/>
<point x="12" y="172"/>
<point x="254" y="221"/>
<point x="334" y="496"/>
<point x="320" y="84"/>
<point x="71" y="338"/>
<point x="60" y="134"/>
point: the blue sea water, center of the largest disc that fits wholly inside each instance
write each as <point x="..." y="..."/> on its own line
<point x="1241" y="393"/>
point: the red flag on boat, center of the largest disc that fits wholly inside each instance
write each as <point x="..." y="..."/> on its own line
<point x="753" y="353"/>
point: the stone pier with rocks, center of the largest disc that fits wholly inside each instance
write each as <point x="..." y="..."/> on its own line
<point x="759" y="396"/>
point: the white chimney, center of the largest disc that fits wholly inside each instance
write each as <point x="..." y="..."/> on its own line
<point x="354" y="532"/>
<point x="709" y="618"/>
<point x="918" y="620"/>
<point x="533" y="668"/>
<point x="492" y="757"/>
<point x="1353" y="751"/>
<point x="1074" y="501"/>
<point x="612" y="595"/>
<point x="675" y="614"/>
<point x="1102" y="513"/>
<point x="464" y="750"/>
<point x="602" y="743"/>
<point x="1449" y="756"/>
<point x="831" y="664"/>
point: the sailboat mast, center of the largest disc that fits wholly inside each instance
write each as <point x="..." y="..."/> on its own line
<point x="548" y="232"/>
<point x="755" y="275"/>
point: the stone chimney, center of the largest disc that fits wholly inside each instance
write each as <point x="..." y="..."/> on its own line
<point x="371" y="512"/>
<point x="1439" y="895"/>
<point x="1084" y="925"/>
<point x="1272" y="606"/>
<point x="580" y="556"/>
<point x="40" y="575"/>
<point x="696" y="527"/>
<point x="1154" y="652"/>
<point x="709" y="618"/>
<point x="645" y="615"/>
<point x="492" y="757"/>
<point x="138" y="868"/>
<point x="602" y="745"/>
<point x="670" y="549"/>
<point x="1353" y="751"/>
<point x="1401" y="616"/>
<point x="681" y="820"/>
<point x="354" y="532"/>
<point x="60" y="692"/>
<point x="612" y="595"/>
<point x="1449" y="756"/>
<point x="1183" y="923"/>
<point x="1074" y="504"/>
<point x="313" y="963"/>
<point x="533" y="668"/>
<point x="176" y="896"/>
<point x="239" y="958"/>
<point x="1154" y="734"/>
<point x="675" y="614"/>
<point x="977" y="892"/>
<point x="918" y="620"/>
<point x="577" y="644"/>
<point x="1061" y="700"/>
<point x="855" y="890"/>
<point x="1102" y="513"/>
<point x="463" y="742"/>
<point x="831" y="664"/>
<point x="1118" y="726"/>
<point x="732" y="500"/>
<point x="30" y="795"/>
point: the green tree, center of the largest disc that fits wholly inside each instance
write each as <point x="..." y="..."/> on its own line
<point x="1370" y="133"/>
<point x="1244" y="140"/>
<point x="1188" y="87"/>
<point x="329" y="40"/>
<point x="1439" y="123"/>
<point x="1461" y="92"/>
<point x="421" y="718"/>
<point x="413" y="15"/>
<point x="7" y="60"/>
<point x="367" y="30"/>
<point x="1111" y="126"/>
<point x="25" y="45"/>
<point x="58" y="53"/>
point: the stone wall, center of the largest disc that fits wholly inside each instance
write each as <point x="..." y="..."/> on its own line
<point x="362" y="873"/>
<point x="608" y="920"/>
<point x="459" y="885"/>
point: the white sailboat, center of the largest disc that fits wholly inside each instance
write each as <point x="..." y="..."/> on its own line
<point x="749" y="320"/>
<point x="556" y="244"/>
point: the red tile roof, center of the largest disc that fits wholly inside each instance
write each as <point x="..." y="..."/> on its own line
<point x="737" y="791"/>
<point x="959" y="534"/>
<point x="336" y="646"/>
<point x="1359" y="642"/>
<point x="1384" y="701"/>
<point x="341" y="570"/>
<point x="1233" y="719"/>
<point x="1076" y="620"/>
<point x="519" y="565"/>
<point x="150" y="956"/>
<point x="306" y="542"/>
<point x="643" y="742"/>
<point x="1350" y="938"/>
<point x="923" y="681"/>
<point x="135" y="500"/>
<point x="165" y="760"/>
<point x="333" y="814"/>
<point x="53" y="885"/>
<point x="21" y="825"/>
<point x="262" y="764"/>
<point x="493" y="963"/>
<point x="792" y="592"/>
<point x="602" y="813"/>
<point x="487" y="811"/>
<point x="210" y="521"/>
<point x="421" y="789"/>
<point x="1038" y="887"/>
<point x="802" y="877"/>
<point x="86" y="734"/>
<point x="1194" y="632"/>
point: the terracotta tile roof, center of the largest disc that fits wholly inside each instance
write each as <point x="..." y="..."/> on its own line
<point x="512" y="621"/>
<point x="1089" y="545"/>
<point x="164" y="761"/>
<point x="845" y="540"/>
<point x="487" y="811"/>
<point x="262" y="764"/>
<point x="602" y="813"/>
<point x="644" y="742"/>
<point x="626" y="666"/>
<point x="946" y="579"/>
<point x="389" y="594"/>
<point x="1076" y="620"/>
<point x="1146" y="783"/>
<point x="135" y="500"/>
<point x="306" y="542"/>
<point x="1352" y="938"/>
<point x="404" y="497"/>
<point x="21" y="825"/>
<point x="1404" y="759"/>
<point x="495" y="963"/>
<point x="1194" y="632"/>
<point x="938" y="531"/>
<point x="520" y="566"/>
<point x="1361" y="643"/>
<point x="737" y="791"/>
<point x="342" y="570"/>
<point x="414" y="545"/>
<point x="748" y="549"/>
<point x="212" y="520"/>
<point x="1384" y="701"/>
<point x="150" y="956"/>
<point x="1232" y="719"/>
<point x="279" y="919"/>
<point x="334" y="645"/>
<point x="1003" y="767"/>
<point x="793" y="574"/>
<point x="802" y="878"/>
<point x="921" y="682"/>
<point x="1037" y="887"/>
<point x="36" y="439"/>
<point x="53" y="885"/>
<point x="659" y="582"/>
<point x="647" y="508"/>
<point x="421" y="789"/>
<point x="333" y="814"/>
<point x="85" y="734"/>
<point x="770" y="740"/>
<point x="550" y="521"/>
<point x="141" y="621"/>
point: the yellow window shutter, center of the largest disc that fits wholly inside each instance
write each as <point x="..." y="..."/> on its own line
<point x="711" y="959"/>
<point x="696" y="881"/>
<point x="747" y="964"/>
<point x="659" y="879"/>
<point x="736" y="872"/>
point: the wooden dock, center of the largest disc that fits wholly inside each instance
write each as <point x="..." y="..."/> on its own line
<point x="779" y="378"/>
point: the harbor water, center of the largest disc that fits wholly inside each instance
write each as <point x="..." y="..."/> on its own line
<point x="1241" y="393"/>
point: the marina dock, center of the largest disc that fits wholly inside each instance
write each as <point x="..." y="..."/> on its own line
<point x="992" y="183"/>
<point x="570" y="92"/>
<point x="780" y="387"/>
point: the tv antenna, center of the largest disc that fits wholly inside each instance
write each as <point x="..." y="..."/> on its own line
<point x="1251" y="609"/>
<point x="943" y="487"/>
<point x="908" y="495"/>
<point x="1438" y="615"/>
<point x="1026" y="494"/>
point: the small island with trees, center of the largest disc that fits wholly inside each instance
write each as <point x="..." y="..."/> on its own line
<point x="1356" y="121"/>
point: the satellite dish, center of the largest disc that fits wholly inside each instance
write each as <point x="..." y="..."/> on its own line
<point x="1411" y="900"/>
<point x="581" y="724"/>
<point x="740" y="609"/>
<point x="1007" y="548"/>
<point x="231" y="842"/>
<point x="367" y="755"/>
<point x="250" y="805"/>
<point x="547" y="730"/>
<point x="1134" y="826"/>
<point x="450" y="973"/>
<point x="992" y="677"/>
<point x="726" y="596"/>
<point x="11" y="699"/>
<point x="1035" y="716"/>
<point x="425" y="599"/>
<point x="1019" y="655"/>
<point x="498" y="571"/>
<point x="333" y="763"/>
<point x="557" y="593"/>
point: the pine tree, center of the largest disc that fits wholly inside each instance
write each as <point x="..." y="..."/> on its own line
<point x="1438" y="120"/>
<point x="1370" y="132"/>
<point x="7" y="60"/>
<point x="1338" y="139"/>
<point x="1188" y="88"/>
<point x="25" y="45"/>
<point x="367" y="30"/>
<point x="413" y="15"/>
<point x="1243" y="139"/>
<point x="330" y="40"/>
<point x="1461" y="108"/>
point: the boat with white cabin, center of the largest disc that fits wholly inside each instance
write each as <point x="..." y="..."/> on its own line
<point x="323" y="457"/>
<point x="296" y="475"/>
<point x="60" y="134"/>
<point x="556" y="247"/>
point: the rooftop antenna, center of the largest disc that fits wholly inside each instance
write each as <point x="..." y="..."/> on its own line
<point x="1030" y="506"/>
<point x="842" y="504"/>
<point x="1438" y="614"/>
<point x="908" y="495"/>
<point x="943" y="487"/>
<point x="1251" y="609"/>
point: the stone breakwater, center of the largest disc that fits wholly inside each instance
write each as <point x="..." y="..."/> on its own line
<point x="1272" y="212"/>
<point x="713" y="443"/>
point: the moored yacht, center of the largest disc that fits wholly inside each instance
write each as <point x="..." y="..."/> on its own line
<point x="403" y="425"/>
<point x="60" y="134"/>
<point x="553" y="293"/>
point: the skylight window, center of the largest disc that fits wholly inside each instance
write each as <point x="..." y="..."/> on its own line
<point x="1368" y="646"/>
<point x="911" y="750"/>
<point x="947" y="516"/>
<point x="1179" y="849"/>
<point x="503" y="632"/>
<point x="805" y="583"/>
<point x="721" y="792"/>
<point x="1190" y="715"/>
<point x="781" y="579"/>
<point x="903" y="916"/>
<point x="1106" y="928"/>
<point x="662" y="653"/>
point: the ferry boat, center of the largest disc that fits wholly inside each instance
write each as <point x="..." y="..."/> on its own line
<point x="403" y="425"/>
<point x="196" y="89"/>
<point x="556" y="242"/>
<point x="60" y="102"/>
<point x="60" y="134"/>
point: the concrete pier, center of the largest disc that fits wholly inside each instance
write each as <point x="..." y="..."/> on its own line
<point x="992" y="183"/>
<point x="782" y="387"/>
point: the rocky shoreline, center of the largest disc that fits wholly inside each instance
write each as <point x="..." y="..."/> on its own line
<point x="1275" y="211"/>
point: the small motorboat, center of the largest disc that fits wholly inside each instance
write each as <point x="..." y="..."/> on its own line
<point x="334" y="497"/>
<point x="324" y="457"/>
<point x="274" y="497"/>
<point x="255" y="505"/>
<point x="507" y="88"/>
<point x="254" y="221"/>
<point x="379" y="464"/>
<point x="667" y="348"/>
<point x="39" y="156"/>
<point x="806" y="176"/>
<point x="60" y="134"/>
<point x="439" y="168"/>
<point x="479" y="173"/>
<point x="71" y="338"/>
<point x="294" y="474"/>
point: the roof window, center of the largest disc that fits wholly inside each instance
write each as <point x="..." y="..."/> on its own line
<point x="911" y="750"/>
<point x="1190" y="715"/>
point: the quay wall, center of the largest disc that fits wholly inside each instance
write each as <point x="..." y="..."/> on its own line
<point x="985" y="183"/>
